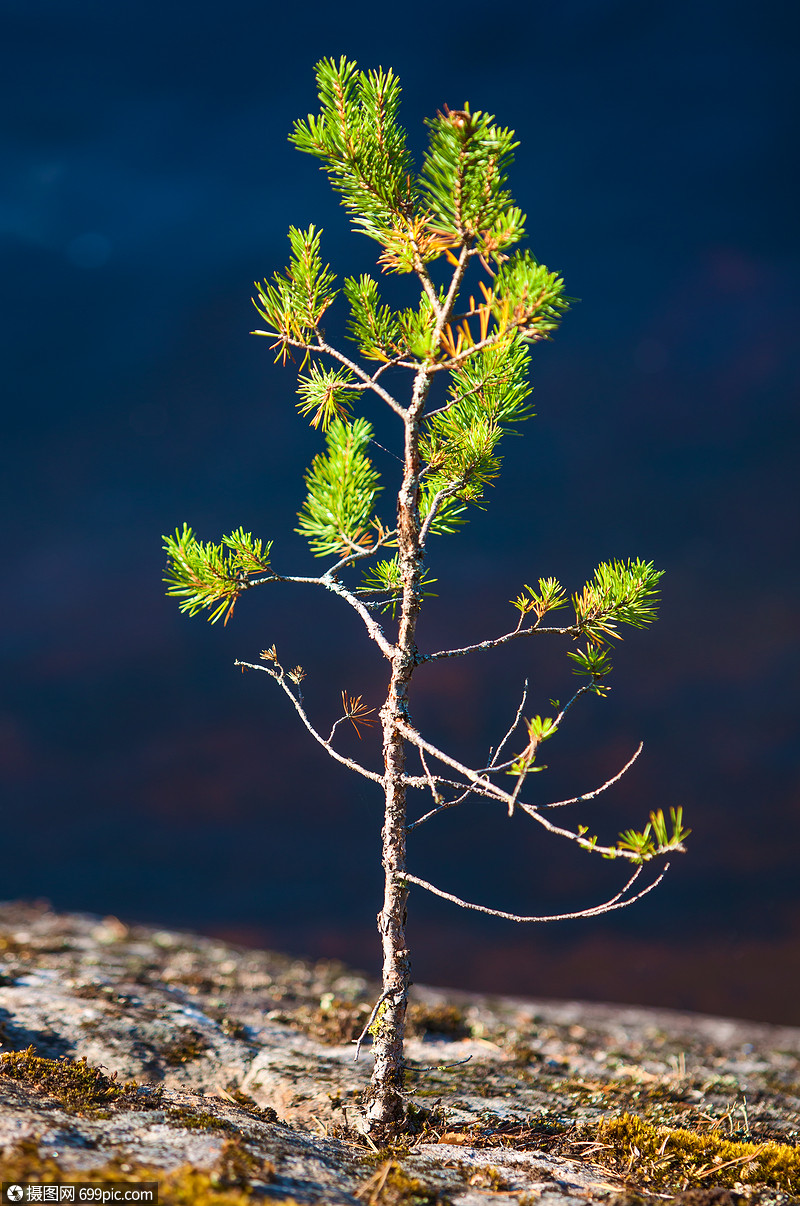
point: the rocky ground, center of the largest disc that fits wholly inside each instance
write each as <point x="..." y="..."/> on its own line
<point x="227" y="1075"/>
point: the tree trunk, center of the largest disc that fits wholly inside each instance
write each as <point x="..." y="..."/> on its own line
<point x="384" y="1099"/>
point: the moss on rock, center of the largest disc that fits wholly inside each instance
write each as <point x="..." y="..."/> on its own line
<point x="665" y="1158"/>
<point x="78" y="1087"/>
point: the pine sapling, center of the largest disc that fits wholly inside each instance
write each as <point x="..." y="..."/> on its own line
<point x="464" y="351"/>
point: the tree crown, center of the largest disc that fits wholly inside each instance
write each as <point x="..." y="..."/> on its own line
<point x="453" y="222"/>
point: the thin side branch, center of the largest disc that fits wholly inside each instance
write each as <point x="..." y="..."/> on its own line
<point x="590" y="795"/>
<point x="279" y="679"/>
<point x="437" y="799"/>
<point x="335" y="726"/>
<point x="487" y="788"/>
<point x="445" y="804"/>
<point x="421" y="782"/>
<point x="473" y="788"/>
<point x="370" y="382"/>
<point x="495" y="642"/>
<point x="616" y="902"/>
<point x="383" y="997"/>
<point x="454" y="401"/>
<point x="333" y="584"/>
<point x="438" y="498"/>
<point x="470" y="775"/>
<point x="511" y="731"/>
<point x="427" y="284"/>
<point x="531" y="750"/>
<point x="609" y="851"/>
<point x="448" y="365"/>
<point x="452" y="293"/>
<point x="373" y="628"/>
<point x="359" y="552"/>
<point x="581" y="691"/>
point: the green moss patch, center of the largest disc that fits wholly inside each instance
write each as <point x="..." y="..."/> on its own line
<point x="76" y="1086"/>
<point x="663" y="1158"/>
<point x="226" y="1185"/>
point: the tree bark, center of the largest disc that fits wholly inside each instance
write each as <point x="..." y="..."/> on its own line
<point x="384" y="1102"/>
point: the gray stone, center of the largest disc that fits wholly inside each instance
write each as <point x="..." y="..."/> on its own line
<point x="250" y="1051"/>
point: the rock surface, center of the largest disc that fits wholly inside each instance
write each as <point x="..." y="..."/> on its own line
<point x="243" y="1063"/>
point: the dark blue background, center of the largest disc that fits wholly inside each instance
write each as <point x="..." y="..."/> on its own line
<point x="148" y="180"/>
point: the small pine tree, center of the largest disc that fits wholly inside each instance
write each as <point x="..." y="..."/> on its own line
<point x="467" y="343"/>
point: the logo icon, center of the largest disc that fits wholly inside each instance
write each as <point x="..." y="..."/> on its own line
<point x="15" y="1193"/>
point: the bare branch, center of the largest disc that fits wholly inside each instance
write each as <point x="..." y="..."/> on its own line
<point x="331" y="583"/>
<point x="590" y="795"/>
<point x="581" y="691"/>
<point x="452" y="293"/>
<point x="421" y="782"/>
<point x="383" y="997"/>
<point x="493" y="764"/>
<point x="280" y="680"/>
<point x="474" y="789"/>
<point x="512" y="799"/>
<point x="336" y="724"/>
<point x="528" y="754"/>
<point x="616" y="902"/>
<point x="437" y="799"/>
<point x="487" y="788"/>
<point x="495" y="642"/>
<point x="470" y="775"/>
<point x="445" y="804"/>
<point x="583" y="842"/>
<point x="373" y="628"/>
<point x="370" y="382"/>
<point x="448" y="365"/>
<point x="428" y="285"/>
<point x="467" y="789"/>
<point x="441" y="805"/>
<point x="454" y="401"/>
<point x="438" y="498"/>
<point x="387" y="364"/>
<point x="359" y="552"/>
